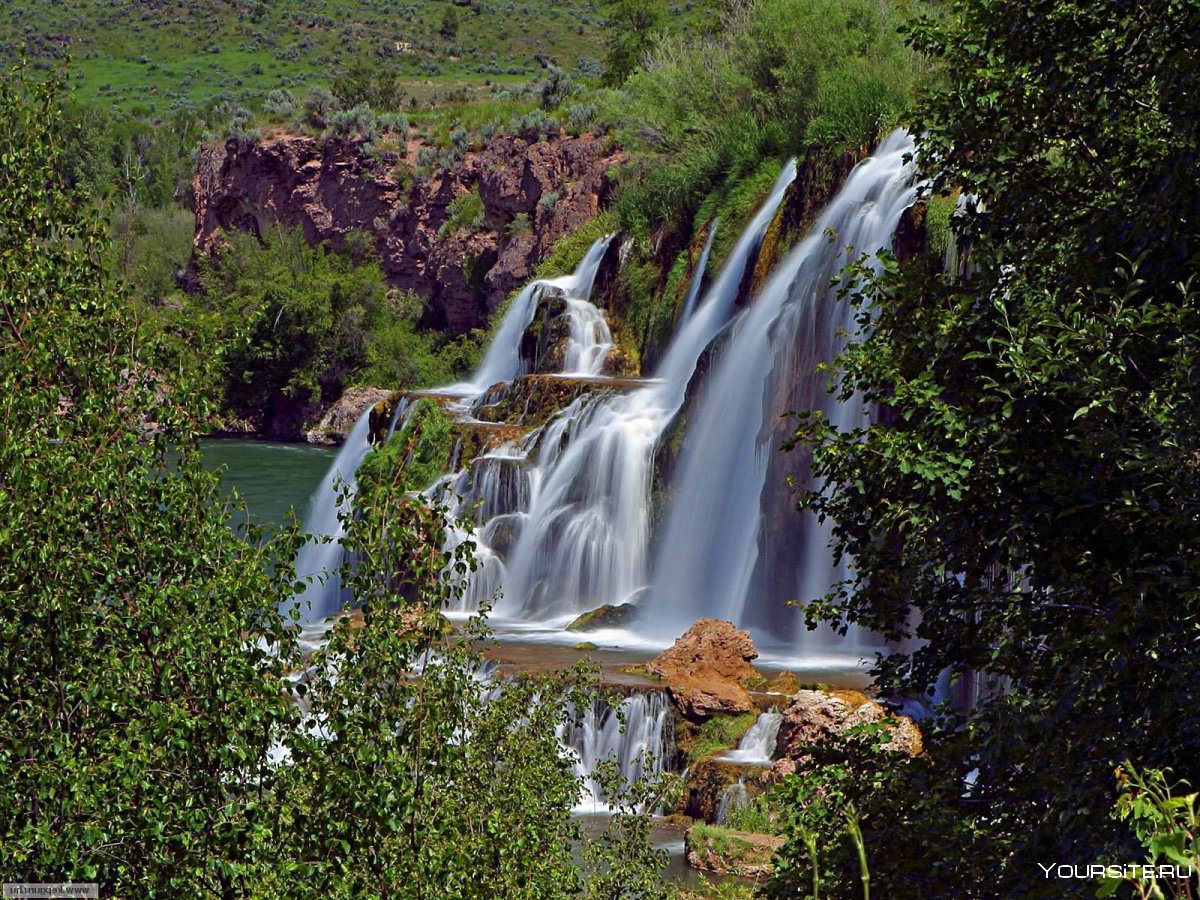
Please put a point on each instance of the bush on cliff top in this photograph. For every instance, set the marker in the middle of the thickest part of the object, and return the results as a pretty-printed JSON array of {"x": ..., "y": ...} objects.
[{"x": 785, "y": 73}]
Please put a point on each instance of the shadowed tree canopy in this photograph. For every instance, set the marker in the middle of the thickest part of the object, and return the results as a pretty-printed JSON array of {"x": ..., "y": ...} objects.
[{"x": 1030, "y": 492}]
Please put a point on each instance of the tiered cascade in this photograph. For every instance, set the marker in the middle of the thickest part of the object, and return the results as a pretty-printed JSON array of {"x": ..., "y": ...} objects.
[{"x": 555, "y": 466}]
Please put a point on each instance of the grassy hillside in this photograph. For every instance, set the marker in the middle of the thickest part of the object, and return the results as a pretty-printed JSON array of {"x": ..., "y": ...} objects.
[{"x": 162, "y": 55}]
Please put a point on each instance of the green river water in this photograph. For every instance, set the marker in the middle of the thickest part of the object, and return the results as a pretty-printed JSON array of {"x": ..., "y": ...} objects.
[{"x": 272, "y": 478}]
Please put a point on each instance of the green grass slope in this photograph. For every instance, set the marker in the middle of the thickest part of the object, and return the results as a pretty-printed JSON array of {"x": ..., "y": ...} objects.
[{"x": 161, "y": 55}]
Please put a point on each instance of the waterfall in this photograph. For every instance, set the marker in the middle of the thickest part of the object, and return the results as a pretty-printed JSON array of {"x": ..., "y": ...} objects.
[
  {"x": 693, "y": 293},
  {"x": 326, "y": 518},
  {"x": 502, "y": 362},
  {"x": 733, "y": 797},
  {"x": 733, "y": 547},
  {"x": 639, "y": 747},
  {"x": 589, "y": 339},
  {"x": 757, "y": 745},
  {"x": 583, "y": 539},
  {"x": 325, "y": 514}
]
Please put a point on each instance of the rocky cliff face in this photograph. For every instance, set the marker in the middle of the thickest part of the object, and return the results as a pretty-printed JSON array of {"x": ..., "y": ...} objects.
[{"x": 532, "y": 194}]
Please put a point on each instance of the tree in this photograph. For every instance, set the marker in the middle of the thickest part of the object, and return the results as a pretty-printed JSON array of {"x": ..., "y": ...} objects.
[
  {"x": 1023, "y": 513},
  {"x": 302, "y": 315},
  {"x": 449, "y": 25},
  {"x": 138, "y": 706},
  {"x": 632, "y": 25}
]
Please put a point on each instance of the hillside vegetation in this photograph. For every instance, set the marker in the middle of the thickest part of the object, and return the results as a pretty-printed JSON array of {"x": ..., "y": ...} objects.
[{"x": 165, "y": 56}]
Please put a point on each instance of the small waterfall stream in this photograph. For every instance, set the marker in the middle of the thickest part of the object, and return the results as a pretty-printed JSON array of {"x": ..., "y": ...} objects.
[
  {"x": 325, "y": 517},
  {"x": 693, "y": 293},
  {"x": 640, "y": 748},
  {"x": 502, "y": 362},
  {"x": 757, "y": 745},
  {"x": 589, "y": 339},
  {"x": 733, "y": 797}
]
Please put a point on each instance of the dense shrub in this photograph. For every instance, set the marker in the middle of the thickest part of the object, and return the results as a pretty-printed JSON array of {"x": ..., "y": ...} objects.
[
  {"x": 280, "y": 103},
  {"x": 356, "y": 122},
  {"x": 784, "y": 74},
  {"x": 309, "y": 322}
]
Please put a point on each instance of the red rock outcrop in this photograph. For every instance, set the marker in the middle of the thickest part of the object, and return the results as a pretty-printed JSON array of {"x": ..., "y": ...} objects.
[
  {"x": 816, "y": 716},
  {"x": 334, "y": 187},
  {"x": 705, "y": 668}
]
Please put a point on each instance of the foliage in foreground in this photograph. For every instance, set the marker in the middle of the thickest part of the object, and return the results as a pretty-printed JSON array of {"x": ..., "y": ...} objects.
[
  {"x": 160, "y": 733},
  {"x": 1167, "y": 823},
  {"x": 1030, "y": 496}
]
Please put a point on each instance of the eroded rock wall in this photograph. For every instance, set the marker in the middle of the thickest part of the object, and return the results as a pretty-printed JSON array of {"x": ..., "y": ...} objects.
[{"x": 532, "y": 194}]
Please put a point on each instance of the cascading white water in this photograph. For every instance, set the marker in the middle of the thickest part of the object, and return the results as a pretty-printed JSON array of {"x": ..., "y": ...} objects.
[
  {"x": 757, "y": 745},
  {"x": 640, "y": 747},
  {"x": 707, "y": 559},
  {"x": 589, "y": 340},
  {"x": 325, "y": 516},
  {"x": 585, "y": 535},
  {"x": 318, "y": 562},
  {"x": 693, "y": 293},
  {"x": 502, "y": 362},
  {"x": 733, "y": 797}
]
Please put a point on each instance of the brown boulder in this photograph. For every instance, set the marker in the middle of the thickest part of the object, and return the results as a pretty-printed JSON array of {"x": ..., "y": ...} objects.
[
  {"x": 700, "y": 698},
  {"x": 705, "y": 668},
  {"x": 817, "y": 716},
  {"x": 711, "y": 647}
]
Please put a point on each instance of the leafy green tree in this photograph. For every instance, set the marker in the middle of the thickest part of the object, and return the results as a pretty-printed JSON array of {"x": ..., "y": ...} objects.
[
  {"x": 1023, "y": 514},
  {"x": 369, "y": 82},
  {"x": 449, "y": 25},
  {"x": 302, "y": 316},
  {"x": 137, "y": 706},
  {"x": 632, "y": 25}
]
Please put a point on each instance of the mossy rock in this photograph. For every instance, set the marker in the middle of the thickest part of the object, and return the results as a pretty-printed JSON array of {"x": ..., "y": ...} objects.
[
  {"x": 606, "y": 616},
  {"x": 707, "y": 782},
  {"x": 718, "y": 734},
  {"x": 641, "y": 670},
  {"x": 476, "y": 438},
  {"x": 584, "y": 646},
  {"x": 530, "y": 401},
  {"x": 382, "y": 414},
  {"x": 783, "y": 683}
]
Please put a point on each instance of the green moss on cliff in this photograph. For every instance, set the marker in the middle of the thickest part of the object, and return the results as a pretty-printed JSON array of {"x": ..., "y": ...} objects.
[
  {"x": 415, "y": 455},
  {"x": 937, "y": 222},
  {"x": 570, "y": 249},
  {"x": 717, "y": 734}
]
